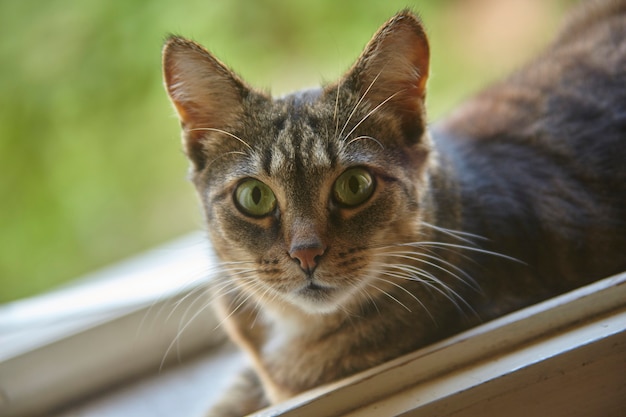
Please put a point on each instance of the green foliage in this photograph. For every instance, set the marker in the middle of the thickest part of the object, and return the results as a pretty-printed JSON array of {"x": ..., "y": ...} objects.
[{"x": 91, "y": 167}]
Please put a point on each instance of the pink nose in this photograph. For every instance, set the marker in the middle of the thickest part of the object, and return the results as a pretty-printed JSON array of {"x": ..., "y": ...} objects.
[{"x": 307, "y": 256}]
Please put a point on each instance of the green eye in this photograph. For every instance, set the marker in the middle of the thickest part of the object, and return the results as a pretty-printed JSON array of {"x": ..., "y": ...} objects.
[
  {"x": 255, "y": 198},
  {"x": 353, "y": 187}
]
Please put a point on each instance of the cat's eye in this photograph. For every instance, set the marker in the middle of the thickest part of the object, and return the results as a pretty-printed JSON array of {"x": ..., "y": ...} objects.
[
  {"x": 254, "y": 198},
  {"x": 355, "y": 186}
]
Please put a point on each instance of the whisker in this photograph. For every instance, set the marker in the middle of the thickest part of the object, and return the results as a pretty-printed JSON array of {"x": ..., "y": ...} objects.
[
  {"x": 469, "y": 281},
  {"x": 457, "y": 234},
  {"x": 196, "y": 276},
  {"x": 266, "y": 291},
  {"x": 456, "y": 246},
  {"x": 230, "y": 287},
  {"x": 357, "y": 106},
  {"x": 179, "y": 302},
  {"x": 411, "y": 295},
  {"x": 372, "y": 112},
  {"x": 469, "y": 278},
  {"x": 179, "y": 334},
  {"x": 412, "y": 274},
  {"x": 336, "y": 112},
  {"x": 224, "y": 155},
  {"x": 362, "y": 290},
  {"x": 212, "y": 129},
  {"x": 390, "y": 296},
  {"x": 366, "y": 137},
  {"x": 234, "y": 311}
]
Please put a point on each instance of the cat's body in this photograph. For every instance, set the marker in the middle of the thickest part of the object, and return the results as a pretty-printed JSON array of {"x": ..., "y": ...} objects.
[
  {"x": 540, "y": 157},
  {"x": 349, "y": 235}
]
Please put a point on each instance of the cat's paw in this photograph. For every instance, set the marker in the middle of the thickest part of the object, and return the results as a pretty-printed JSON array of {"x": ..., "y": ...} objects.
[{"x": 245, "y": 396}]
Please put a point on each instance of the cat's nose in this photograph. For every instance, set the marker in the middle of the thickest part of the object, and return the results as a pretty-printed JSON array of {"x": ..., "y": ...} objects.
[{"x": 307, "y": 256}]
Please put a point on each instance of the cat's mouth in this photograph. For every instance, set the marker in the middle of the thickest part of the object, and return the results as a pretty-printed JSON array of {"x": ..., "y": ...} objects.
[
  {"x": 315, "y": 290},
  {"x": 316, "y": 297},
  {"x": 314, "y": 286}
]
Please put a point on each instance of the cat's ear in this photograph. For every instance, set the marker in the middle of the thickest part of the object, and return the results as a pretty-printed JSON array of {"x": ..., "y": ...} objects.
[
  {"x": 392, "y": 72},
  {"x": 205, "y": 93}
]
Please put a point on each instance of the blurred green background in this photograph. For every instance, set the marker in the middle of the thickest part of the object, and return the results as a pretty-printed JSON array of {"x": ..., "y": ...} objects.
[{"x": 90, "y": 164}]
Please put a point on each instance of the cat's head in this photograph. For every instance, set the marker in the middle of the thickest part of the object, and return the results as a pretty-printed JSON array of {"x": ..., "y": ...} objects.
[{"x": 305, "y": 194}]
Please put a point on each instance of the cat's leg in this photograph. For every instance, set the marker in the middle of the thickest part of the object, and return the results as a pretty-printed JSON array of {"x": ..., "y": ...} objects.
[
  {"x": 240, "y": 319},
  {"x": 247, "y": 329},
  {"x": 245, "y": 396}
]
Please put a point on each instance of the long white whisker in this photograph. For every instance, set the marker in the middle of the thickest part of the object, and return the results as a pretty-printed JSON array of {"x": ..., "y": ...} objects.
[
  {"x": 412, "y": 272},
  {"x": 417, "y": 257},
  {"x": 357, "y": 106},
  {"x": 366, "y": 137},
  {"x": 233, "y": 311},
  {"x": 367, "y": 294},
  {"x": 179, "y": 302},
  {"x": 410, "y": 294},
  {"x": 224, "y": 155},
  {"x": 444, "y": 290},
  {"x": 179, "y": 334},
  {"x": 199, "y": 275},
  {"x": 212, "y": 129},
  {"x": 389, "y": 295},
  {"x": 453, "y": 245},
  {"x": 457, "y": 234},
  {"x": 336, "y": 113},
  {"x": 370, "y": 113}
]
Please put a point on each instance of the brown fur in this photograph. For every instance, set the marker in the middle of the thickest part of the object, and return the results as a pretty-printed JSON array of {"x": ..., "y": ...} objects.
[{"x": 516, "y": 197}]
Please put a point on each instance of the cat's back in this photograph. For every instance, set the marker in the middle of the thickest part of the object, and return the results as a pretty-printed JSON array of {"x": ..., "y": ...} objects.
[
  {"x": 544, "y": 152},
  {"x": 574, "y": 92},
  {"x": 569, "y": 104}
]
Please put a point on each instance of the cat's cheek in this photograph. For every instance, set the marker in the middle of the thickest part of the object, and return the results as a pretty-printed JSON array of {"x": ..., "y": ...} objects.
[
  {"x": 368, "y": 222},
  {"x": 256, "y": 237}
]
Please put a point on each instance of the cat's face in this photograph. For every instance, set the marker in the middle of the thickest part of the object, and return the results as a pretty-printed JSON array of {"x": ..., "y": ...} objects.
[
  {"x": 305, "y": 195},
  {"x": 305, "y": 213}
]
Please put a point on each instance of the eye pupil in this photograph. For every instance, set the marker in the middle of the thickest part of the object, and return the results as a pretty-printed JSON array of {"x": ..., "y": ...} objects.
[
  {"x": 256, "y": 195},
  {"x": 353, "y": 184}
]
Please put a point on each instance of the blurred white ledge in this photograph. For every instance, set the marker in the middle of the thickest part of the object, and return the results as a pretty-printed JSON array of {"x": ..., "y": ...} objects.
[
  {"x": 108, "y": 326},
  {"x": 159, "y": 274}
]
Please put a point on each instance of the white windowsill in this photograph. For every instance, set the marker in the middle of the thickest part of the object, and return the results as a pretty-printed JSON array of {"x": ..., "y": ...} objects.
[{"x": 126, "y": 320}]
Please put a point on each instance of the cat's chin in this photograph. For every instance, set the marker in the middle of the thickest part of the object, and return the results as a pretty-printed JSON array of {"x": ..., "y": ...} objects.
[{"x": 314, "y": 298}]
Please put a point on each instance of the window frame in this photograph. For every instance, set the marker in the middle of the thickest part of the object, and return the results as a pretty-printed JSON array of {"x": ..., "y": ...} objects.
[{"x": 115, "y": 324}]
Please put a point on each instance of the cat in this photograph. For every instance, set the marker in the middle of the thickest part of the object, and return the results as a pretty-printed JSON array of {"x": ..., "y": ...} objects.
[{"x": 350, "y": 232}]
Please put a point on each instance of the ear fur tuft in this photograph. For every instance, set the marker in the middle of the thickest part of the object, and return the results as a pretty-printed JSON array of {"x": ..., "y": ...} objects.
[
  {"x": 393, "y": 69},
  {"x": 205, "y": 93}
]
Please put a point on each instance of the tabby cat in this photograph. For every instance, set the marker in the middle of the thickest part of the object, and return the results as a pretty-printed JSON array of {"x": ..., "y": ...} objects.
[{"x": 350, "y": 232}]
